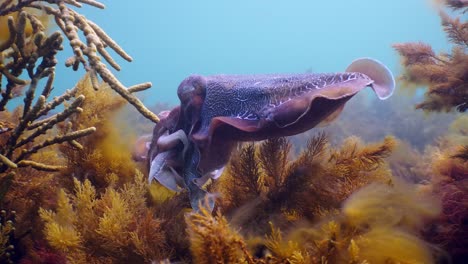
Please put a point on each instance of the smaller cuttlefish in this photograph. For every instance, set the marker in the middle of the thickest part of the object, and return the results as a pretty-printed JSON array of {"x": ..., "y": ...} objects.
[{"x": 193, "y": 142}]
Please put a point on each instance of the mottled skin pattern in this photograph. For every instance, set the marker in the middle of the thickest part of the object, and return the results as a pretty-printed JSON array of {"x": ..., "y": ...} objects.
[
  {"x": 250, "y": 97},
  {"x": 218, "y": 111}
]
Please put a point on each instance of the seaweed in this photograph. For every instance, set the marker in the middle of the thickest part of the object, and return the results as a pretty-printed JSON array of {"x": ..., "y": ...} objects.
[
  {"x": 262, "y": 184},
  {"x": 42, "y": 138},
  {"x": 357, "y": 233},
  {"x": 445, "y": 74},
  {"x": 337, "y": 200},
  {"x": 105, "y": 156},
  {"x": 115, "y": 226},
  {"x": 7, "y": 230},
  {"x": 449, "y": 177},
  {"x": 213, "y": 241}
]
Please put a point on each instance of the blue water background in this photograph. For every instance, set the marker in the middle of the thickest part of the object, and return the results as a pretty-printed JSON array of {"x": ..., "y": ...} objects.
[{"x": 170, "y": 40}]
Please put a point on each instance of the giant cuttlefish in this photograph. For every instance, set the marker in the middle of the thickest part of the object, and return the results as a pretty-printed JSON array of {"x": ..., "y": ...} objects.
[{"x": 193, "y": 141}]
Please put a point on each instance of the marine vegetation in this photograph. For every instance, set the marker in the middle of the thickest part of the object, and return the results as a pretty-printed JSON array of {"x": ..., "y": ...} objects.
[
  {"x": 445, "y": 74},
  {"x": 449, "y": 174},
  {"x": 28, "y": 56},
  {"x": 30, "y": 133},
  {"x": 378, "y": 224},
  {"x": 194, "y": 141},
  {"x": 261, "y": 183},
  {"x": 73, "y": 190}
]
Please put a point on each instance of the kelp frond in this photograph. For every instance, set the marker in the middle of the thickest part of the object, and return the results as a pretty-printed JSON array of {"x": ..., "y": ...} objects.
[
  {"x": 363, "y": 234},
  {"x": 60, "y": 229},
  {"x": 246, "y": 184},
  {"x": 384, "y": 245},
  {"x": 273, "y": 156}
]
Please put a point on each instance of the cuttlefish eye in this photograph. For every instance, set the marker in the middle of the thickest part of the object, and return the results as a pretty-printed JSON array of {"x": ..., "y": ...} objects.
[
  {"x": 192, "y": 86},
  {"x": 186, "y": 89}
]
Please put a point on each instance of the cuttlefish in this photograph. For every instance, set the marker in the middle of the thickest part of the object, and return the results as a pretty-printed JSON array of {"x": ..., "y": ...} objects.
[{"x": 193, "y": 142}]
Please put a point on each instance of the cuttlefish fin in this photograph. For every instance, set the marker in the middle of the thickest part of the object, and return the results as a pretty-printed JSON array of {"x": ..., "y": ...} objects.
[
  {"x": 384, "y": 83},
  {"x": 331, "y": 117}
]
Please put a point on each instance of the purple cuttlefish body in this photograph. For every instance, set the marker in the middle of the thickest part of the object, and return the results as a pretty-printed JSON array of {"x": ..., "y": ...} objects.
[{"x": 194, "y": 141}]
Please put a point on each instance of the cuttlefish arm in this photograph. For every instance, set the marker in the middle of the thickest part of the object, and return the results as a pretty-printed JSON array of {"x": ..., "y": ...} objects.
[{"x": 167, "y": 150}]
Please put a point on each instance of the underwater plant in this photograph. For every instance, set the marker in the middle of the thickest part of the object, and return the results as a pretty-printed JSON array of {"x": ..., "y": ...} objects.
[
  {"x": 39, "y": 137},
  {"x": 263, "y": 184},
  {"x": 445, "y": 74},
  {"x": 194, "y": 141},
  {"x": 448, "y": 166},
  {"x": 212, "y": 240},
  {"x": 7, "y": 231},
  {"x": 105, "y": 156},
  {"x": 117, "y": 226},
  {"x": 379, "y": 223}
]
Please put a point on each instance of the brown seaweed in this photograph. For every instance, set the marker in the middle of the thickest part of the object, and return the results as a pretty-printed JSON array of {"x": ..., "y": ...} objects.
[
  {"x": 445, "y": 74},
  {"x": 264, "y": 184}
]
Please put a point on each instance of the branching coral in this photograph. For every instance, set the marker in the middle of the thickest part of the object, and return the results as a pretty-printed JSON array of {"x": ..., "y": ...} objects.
[
  {"x": 446, "y": 75},
  {"x": 22, "y": 129},
  {"x": 88, "y": 54},
  {"x": 27, "y": 55}
]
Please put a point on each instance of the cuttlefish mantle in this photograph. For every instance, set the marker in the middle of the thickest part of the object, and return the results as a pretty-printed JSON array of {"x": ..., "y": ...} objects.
[{"x": 194, "y": 141}]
